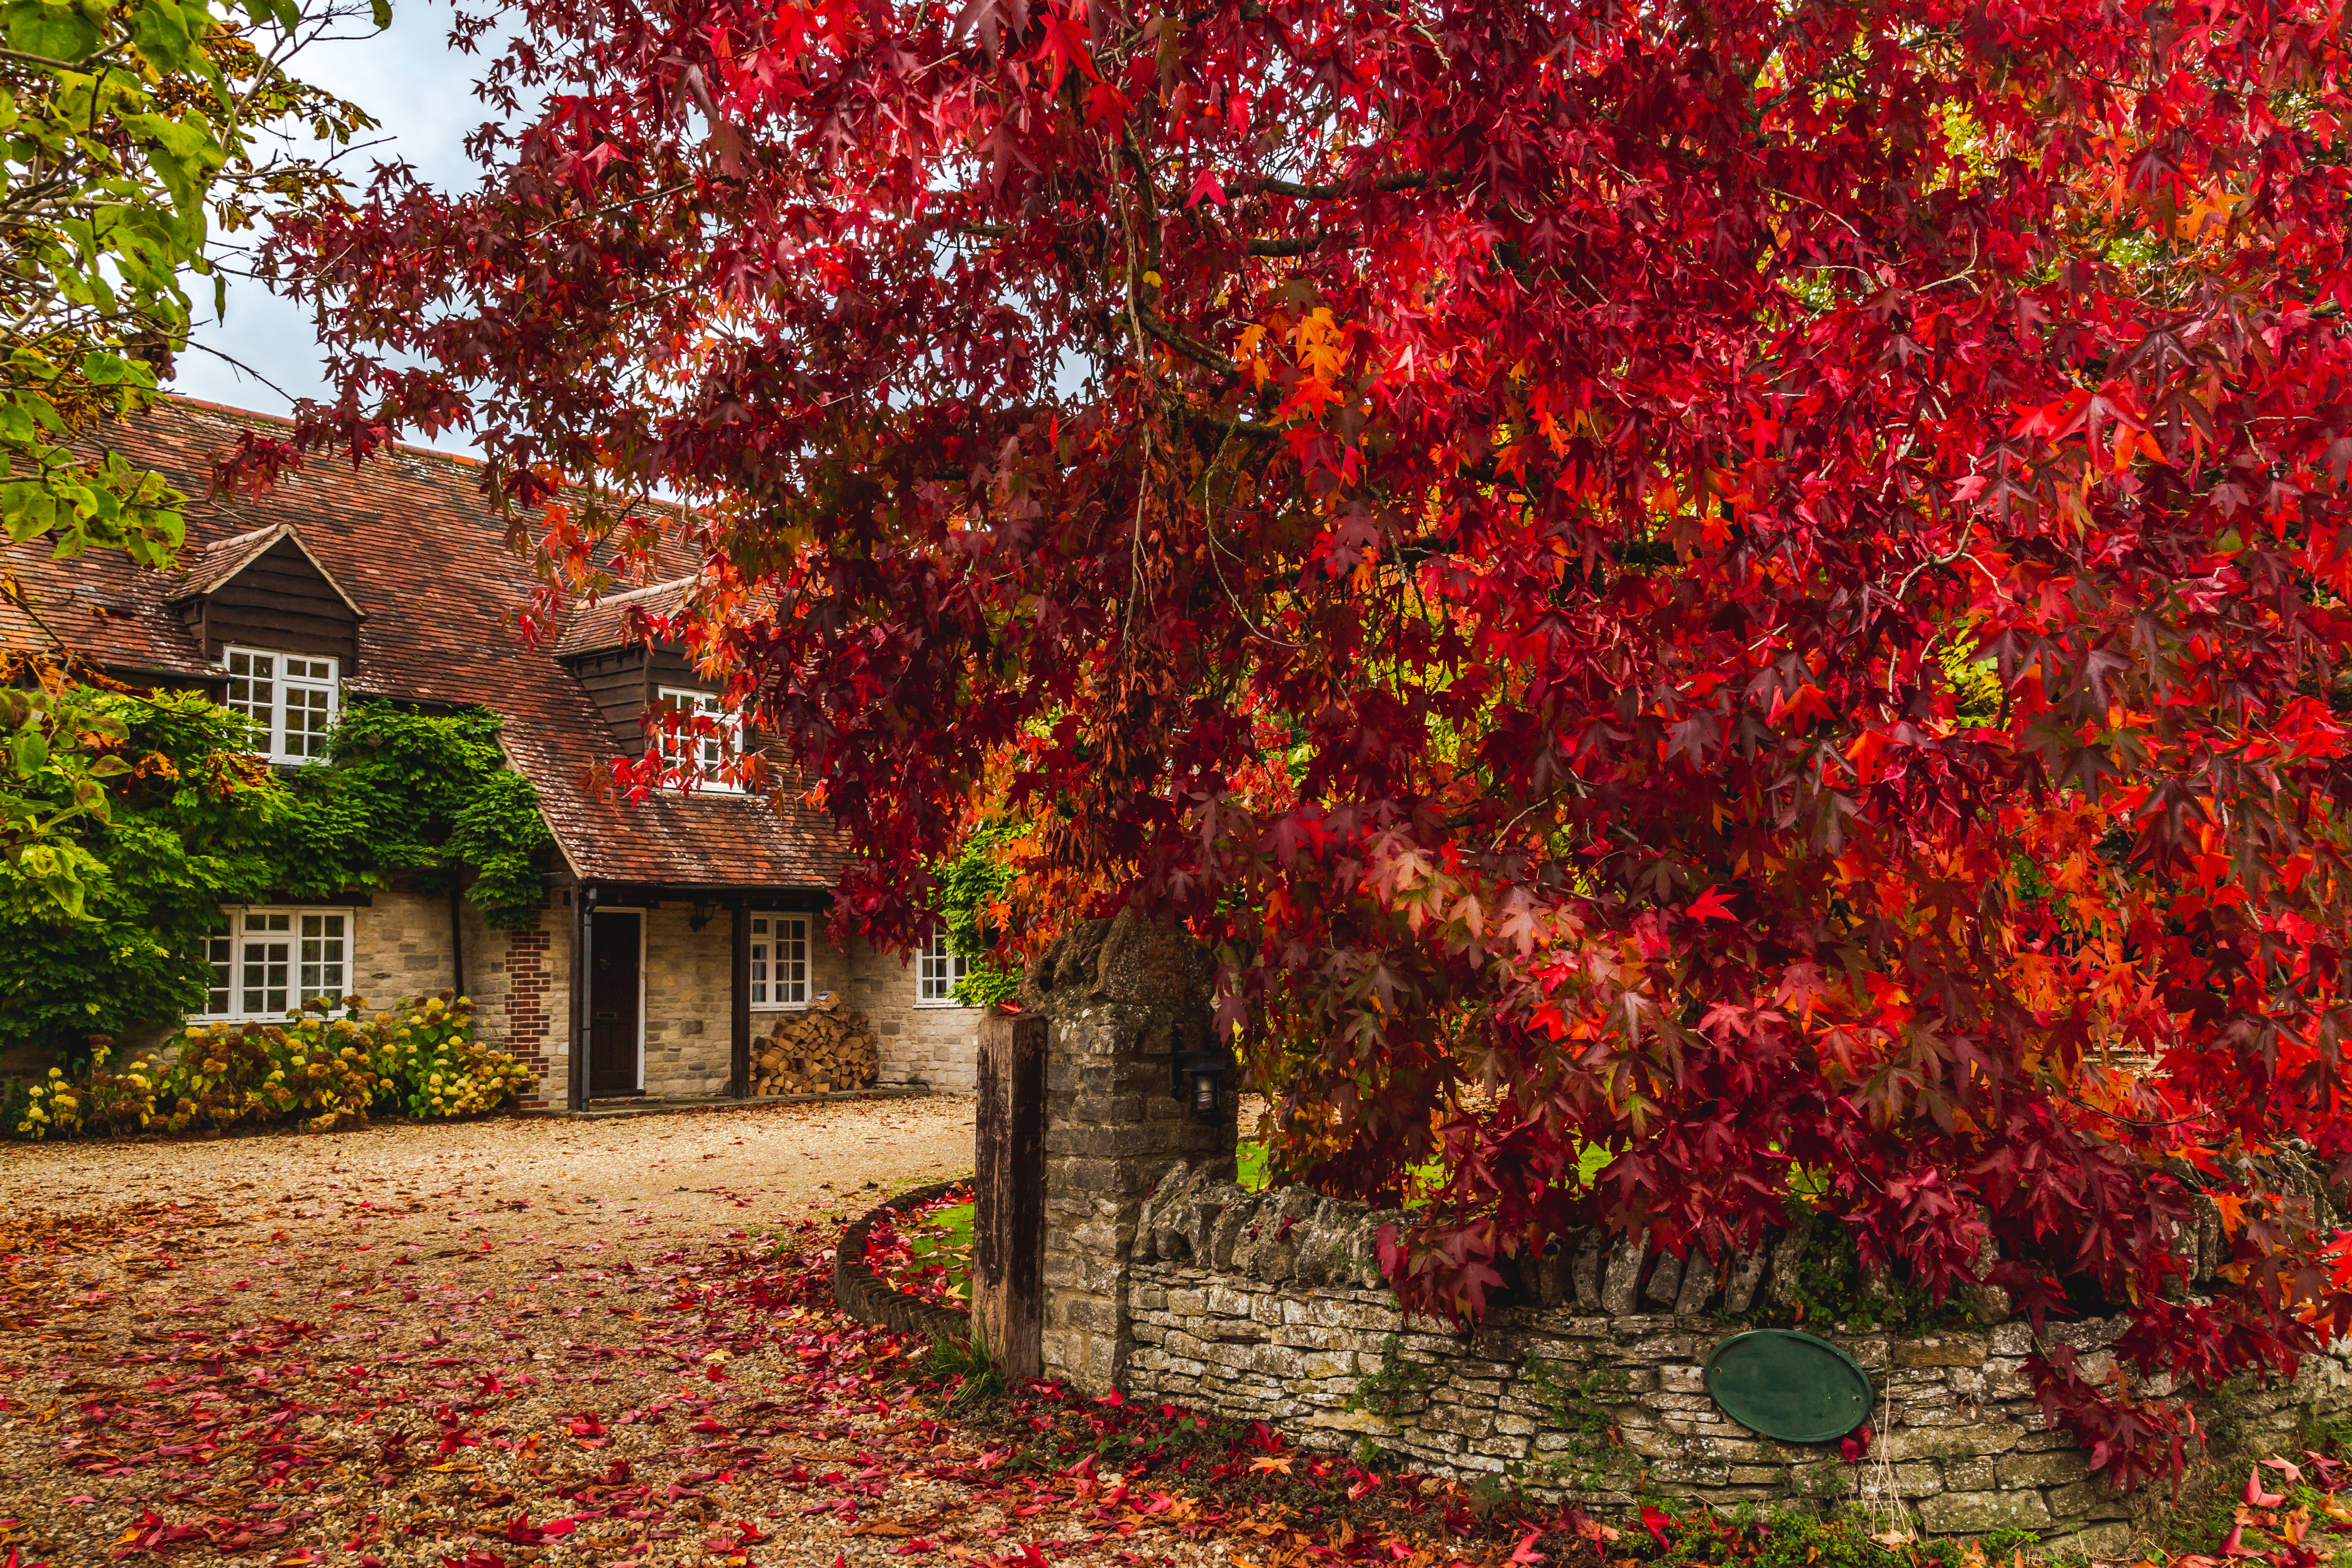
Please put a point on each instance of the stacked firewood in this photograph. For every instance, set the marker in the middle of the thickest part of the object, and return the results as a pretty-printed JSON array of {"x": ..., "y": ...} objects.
[{"x": 829, "y": 1046}]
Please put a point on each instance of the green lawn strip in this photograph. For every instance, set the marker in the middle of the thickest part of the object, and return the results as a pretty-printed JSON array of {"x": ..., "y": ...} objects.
[{"x": 945, "y": 1237}]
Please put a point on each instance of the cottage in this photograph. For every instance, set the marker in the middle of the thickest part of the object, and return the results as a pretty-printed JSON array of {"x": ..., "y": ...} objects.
[{"x": 676, "y": 928}]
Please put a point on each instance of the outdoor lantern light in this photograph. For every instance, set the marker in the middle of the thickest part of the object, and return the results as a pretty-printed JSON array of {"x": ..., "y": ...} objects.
[{"x": 1198, "y": 1077}]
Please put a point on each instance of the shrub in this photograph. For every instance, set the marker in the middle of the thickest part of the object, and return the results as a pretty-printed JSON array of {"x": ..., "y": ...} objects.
[{"x": 330, "y": 1066}]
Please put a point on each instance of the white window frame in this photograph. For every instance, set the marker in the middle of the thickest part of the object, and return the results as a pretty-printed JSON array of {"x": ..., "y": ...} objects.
[
  {"x": 938, "y": 968},
  {"x": 714, "y": 752},
  {"x": 232, "y": 950},
  {"x": 280, "y": 743},
  {"x": 773, "y": 991}
]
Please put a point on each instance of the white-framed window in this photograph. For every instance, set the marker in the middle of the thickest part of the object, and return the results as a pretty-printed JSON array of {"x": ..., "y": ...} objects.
[
  {"x": 780, "y": 961},
  {"x": 707, "y": 754},
  {"x": 293, "y": 698},
  {"x": 267, "y": 963},
  {"x": 937, "y": 970}
]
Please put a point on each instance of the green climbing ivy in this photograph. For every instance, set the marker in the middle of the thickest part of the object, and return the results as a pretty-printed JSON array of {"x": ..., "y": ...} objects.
[
  {"x": 973, "y": 884},
  {"x": 186, "y": 821}
]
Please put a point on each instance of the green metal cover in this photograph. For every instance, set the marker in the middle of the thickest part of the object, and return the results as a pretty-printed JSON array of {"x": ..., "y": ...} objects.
[{"x": 1789, "y": 1385}]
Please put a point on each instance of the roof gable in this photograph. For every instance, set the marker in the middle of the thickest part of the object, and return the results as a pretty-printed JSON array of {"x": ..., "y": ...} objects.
[
  {"x": 606, "y": 623},
  {"x": 222, "y": 562}
]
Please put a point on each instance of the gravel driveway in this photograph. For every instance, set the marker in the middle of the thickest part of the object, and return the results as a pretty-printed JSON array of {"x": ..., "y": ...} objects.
[
  {"x": 630, "y": 1181},
  {"x": 401, "y": 1346}
]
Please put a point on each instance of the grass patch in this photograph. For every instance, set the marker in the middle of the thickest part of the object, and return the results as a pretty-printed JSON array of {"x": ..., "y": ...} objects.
[{"x": 945, "y": 1238}]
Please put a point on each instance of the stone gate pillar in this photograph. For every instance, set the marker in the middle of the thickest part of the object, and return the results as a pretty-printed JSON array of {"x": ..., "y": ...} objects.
[{"x": 1122, "y": 998}]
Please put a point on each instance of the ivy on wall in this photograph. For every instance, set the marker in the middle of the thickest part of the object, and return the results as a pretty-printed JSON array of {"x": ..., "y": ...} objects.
[
  {"x": 973, "y": 885},
  {"x": 191, "y": 822}
]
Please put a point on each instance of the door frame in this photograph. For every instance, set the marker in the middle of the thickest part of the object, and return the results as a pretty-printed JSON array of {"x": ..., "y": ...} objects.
[{"x": 644, "y": 918}]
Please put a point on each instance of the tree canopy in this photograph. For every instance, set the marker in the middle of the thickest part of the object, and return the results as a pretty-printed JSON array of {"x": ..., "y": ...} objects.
[
  {"x": 133, "y": 138},
  {"x": 1756, "y": 587}
]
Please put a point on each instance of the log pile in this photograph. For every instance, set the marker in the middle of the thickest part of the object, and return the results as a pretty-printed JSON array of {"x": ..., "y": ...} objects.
[{"x": 828, "y": 1047}]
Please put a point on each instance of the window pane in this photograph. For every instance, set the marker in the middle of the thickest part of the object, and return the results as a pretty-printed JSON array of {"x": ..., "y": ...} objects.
[
  {"x": 252, "y": 690},
  {"x": 322, "y": 957},
  {"x": 265, "y": 965},
  {"x": 791, "y": 962},
  {"x": 274, "y": 921},
  {"x": 938, "y": 970},
  {"x": 759, "y": 967},
  {"x": 706, "y": 755},
  {"x": 310, "y": 703},
  {"x": 220, "y": 957},
  {"x": 309, "y": 717}
]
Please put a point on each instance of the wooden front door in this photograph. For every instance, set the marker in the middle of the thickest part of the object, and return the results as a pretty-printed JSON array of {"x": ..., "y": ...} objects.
[{"x": 613, "y": 982}]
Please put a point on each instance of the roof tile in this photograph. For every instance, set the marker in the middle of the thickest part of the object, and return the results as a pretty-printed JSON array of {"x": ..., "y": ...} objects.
[{"x": 411, "y": 539}]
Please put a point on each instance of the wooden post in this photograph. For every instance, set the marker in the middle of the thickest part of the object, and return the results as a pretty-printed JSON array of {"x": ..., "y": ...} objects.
[
  {"x": 1008, "y": 1230},
  {"x": 739, "y": 1007}
]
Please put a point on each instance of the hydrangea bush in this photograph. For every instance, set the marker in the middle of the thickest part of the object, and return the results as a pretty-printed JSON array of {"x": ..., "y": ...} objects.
[{"x": 333, "y": 1065}]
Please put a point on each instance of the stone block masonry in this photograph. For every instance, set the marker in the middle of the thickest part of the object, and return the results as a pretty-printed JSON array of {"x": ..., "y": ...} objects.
[
  {"x": 1122, "y": 1000},
  {"x": 1270, "y": 1307},
  {"x": 1163, "y": 1280},
  {"x": 925, "y": 1043},
  {"x": 517, "y": 980}
]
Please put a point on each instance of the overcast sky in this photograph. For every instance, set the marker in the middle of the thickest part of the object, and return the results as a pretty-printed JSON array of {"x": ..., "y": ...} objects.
[{"x": 422, "y": 90}]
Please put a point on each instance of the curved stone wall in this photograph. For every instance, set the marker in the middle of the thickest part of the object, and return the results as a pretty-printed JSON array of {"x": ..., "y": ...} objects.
[
  {"x": 869, "y": 1297},
  {"x": 1271, "y": 1307}
]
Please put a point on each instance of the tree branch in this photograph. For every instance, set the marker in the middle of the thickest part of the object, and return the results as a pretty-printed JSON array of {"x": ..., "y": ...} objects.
[
  {"x": 1307, "y": 246},
  {"x": 1273, "y": 187}
]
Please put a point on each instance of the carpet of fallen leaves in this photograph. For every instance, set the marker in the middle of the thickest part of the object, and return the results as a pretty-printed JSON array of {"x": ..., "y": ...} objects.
[
  {"x": 307, "y": 1406},
  {"x": 337, "y": 1371},
  {"x": 909, "y": 1253},
  {"x": 373, "y": 1382}
]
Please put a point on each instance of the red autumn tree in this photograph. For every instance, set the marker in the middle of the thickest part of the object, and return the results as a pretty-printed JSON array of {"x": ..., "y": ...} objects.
[{"x": 1756, "y": 586}]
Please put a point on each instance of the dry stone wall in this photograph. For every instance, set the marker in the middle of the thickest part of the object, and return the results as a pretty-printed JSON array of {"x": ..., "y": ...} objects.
[{"x": 1271, "y": 1307}]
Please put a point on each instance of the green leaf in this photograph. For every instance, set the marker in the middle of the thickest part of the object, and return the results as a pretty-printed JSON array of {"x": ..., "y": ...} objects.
[
  {"x": 54, "y": 32},
  {"x": 104, "y": 369},
  {"x": 160, "y": 32},
  {"x": 30, "y": 752},
  {"x": 382, "y": 10}
]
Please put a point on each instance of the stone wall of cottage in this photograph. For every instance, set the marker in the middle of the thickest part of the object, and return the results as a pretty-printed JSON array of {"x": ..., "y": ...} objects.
[
  {"x": 922, "y": 1043},
  {"x": 518, "y": 980},
  {"x": 688, "y": 988},
  {"x": 400, "y": 947},
  {"x": 1270, "y": 1307},
  {"x": 688, "y": 978}
]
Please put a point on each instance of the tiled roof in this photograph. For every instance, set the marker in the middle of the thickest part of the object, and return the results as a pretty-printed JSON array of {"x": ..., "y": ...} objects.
[
  {"x": 210, "y": 565},
  {"x": 605, "y": 623},
  {"x": 410, "y": 539}
]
